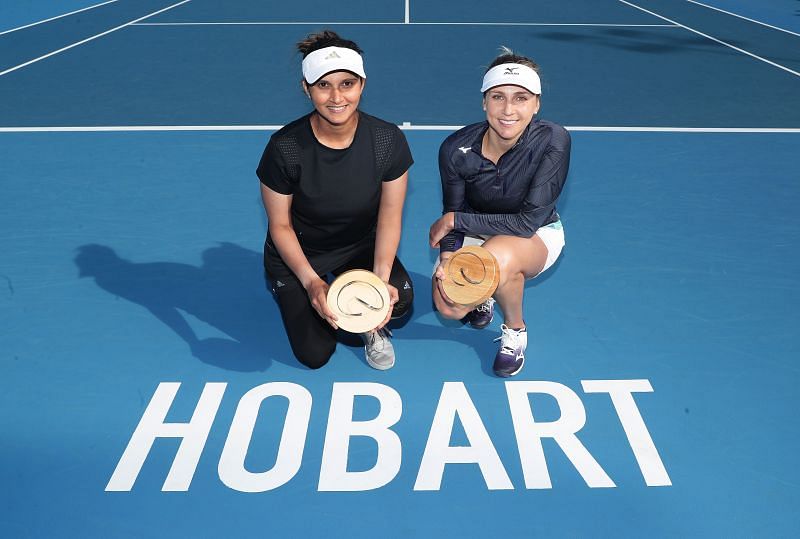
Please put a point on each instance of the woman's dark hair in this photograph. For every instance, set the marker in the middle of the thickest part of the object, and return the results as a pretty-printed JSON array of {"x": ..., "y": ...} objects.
[
  {"x": 325, "y": 38},
  {"x": 507, "y": 56}
]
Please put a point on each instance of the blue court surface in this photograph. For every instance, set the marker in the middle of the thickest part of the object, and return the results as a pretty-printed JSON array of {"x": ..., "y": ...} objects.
[{"x": 148, "y": 389}]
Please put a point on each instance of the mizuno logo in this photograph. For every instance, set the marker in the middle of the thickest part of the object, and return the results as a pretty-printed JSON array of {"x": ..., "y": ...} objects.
[
  {"x": 511, "y": 71},
  {"x": 279, "y": 284},
  {"x": 465, "y": 150},
  {"x": 333, "y": 54}
]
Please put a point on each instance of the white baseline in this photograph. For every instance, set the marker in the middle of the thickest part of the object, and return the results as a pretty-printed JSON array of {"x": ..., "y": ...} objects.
[
  {"x": 89, "y": 39},
  {"x": 385, "y": 23}
]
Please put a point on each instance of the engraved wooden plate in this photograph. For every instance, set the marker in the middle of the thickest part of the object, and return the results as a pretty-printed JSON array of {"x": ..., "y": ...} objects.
[
  {"x": 359, "y": 299},
  {"x": 471, "y": 275}
]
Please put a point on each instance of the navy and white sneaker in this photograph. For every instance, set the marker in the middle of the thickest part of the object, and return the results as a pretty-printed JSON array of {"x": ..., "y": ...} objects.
[
  {"x": 378, "y": 349},
  {"x": 511, "y": 356},
  {"x": 482, "y": 315}
]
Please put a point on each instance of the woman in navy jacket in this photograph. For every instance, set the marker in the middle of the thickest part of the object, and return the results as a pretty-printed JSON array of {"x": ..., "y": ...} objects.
[{"x": 501, "y": 179}]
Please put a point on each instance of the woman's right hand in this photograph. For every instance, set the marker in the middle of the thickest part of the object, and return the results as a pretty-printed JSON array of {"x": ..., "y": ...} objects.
[
  {"x": 440, "y": 228},
  {"x": 439, "y": 275},
  {"x": 317, "y": 291}
]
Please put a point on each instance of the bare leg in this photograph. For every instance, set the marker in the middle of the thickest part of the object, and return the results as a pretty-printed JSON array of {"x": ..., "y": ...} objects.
[{"x": 519, "y": 259}]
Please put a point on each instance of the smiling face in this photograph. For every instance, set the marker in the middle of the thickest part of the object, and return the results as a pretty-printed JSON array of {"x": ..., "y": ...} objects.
[
  {"x": 336, "y": 96},
  {"x": 509, "y": 110}
]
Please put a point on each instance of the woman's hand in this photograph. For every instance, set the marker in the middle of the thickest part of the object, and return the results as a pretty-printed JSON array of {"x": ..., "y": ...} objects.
[
  {"x": 393, "y": 298},
  {"x": 441, "y": 227},
  {"x": 439, "y": 275},
  {"x": 317, "y": 291}
]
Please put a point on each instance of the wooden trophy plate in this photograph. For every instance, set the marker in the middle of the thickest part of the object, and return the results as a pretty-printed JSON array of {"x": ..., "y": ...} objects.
[
  {"x": 471, "y": 275},
  {"x": 359, "y": 299}
]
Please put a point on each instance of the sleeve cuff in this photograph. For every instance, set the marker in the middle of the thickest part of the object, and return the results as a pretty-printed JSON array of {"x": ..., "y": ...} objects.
[{"x": 452, "y": 242}]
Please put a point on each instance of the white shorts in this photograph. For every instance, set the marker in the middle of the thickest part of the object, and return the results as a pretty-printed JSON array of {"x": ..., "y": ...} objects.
[{"x": 552, "y": 236}]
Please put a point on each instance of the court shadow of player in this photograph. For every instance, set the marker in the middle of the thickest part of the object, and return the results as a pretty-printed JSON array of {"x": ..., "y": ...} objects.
[
  {"x": 227, "y": 291},
  {"x": 639, "y": 41}
]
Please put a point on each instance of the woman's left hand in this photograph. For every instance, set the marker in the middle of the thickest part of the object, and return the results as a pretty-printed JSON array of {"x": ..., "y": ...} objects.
[
  {"x": 441, "y": 227},
  {"x": 393, "y": 298}
]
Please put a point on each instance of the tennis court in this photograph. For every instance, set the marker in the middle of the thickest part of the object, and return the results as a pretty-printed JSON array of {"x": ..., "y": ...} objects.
[{"x": 148, "y": 387}]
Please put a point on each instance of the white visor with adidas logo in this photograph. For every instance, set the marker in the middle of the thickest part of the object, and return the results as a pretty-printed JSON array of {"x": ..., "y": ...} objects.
[
  {"x": 324, "y": 61},
  {"x": 516, "y": 74}
]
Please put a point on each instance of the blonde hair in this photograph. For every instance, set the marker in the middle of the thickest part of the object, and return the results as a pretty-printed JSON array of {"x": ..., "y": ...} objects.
[{"x": 508, "y": 56}]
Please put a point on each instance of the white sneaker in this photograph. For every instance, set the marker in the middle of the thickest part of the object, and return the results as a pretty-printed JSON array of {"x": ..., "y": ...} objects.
[
  {"x": 511, "y": 356},
  {"x": 378, "y": 349},
  {"x": 482, "y": 315}
]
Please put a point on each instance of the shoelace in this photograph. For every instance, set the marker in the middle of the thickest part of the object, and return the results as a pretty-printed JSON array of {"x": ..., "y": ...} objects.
[
  {"x": 509, "y": 340},
  {"x": 375, "y": 336},
  {"x": 486, "y": 306}
]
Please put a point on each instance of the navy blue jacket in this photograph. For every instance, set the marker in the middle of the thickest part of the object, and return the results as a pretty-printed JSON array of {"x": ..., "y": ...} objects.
[{"x": 515, "y": 197}]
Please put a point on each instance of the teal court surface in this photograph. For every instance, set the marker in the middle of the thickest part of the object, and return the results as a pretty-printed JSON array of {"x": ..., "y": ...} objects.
[{"x": 148, "y": 389}]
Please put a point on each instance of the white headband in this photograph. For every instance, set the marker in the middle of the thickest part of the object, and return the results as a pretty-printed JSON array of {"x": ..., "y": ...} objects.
[
  {"x": 323, "y": 61},
  {"x": 516, "y": 74}
]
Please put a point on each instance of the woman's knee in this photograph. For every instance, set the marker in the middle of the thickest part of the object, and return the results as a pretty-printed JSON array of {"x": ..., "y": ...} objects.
[
  {"x": 517, "y": 258},
  {"x": 313, "y": 355}
]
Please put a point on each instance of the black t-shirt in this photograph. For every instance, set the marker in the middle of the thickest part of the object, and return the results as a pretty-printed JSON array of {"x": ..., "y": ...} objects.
[{"x": 335, "y": 193}]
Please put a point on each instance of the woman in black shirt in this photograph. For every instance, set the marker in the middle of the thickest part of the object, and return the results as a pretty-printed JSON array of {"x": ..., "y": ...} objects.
[
  {"x": 333, "y": 184},
  {"x": 500, "y": 181}
]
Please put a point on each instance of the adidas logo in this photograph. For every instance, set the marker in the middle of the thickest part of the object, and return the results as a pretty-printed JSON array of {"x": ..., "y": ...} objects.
[
  {"x": 333, "y": 54},
  {"x": 465, "y": 150},
  {"x": 406, "y": 286}
]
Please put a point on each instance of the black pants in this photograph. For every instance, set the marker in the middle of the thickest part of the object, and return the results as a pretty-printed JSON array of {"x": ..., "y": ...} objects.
[{"x": 312, "y": 339}]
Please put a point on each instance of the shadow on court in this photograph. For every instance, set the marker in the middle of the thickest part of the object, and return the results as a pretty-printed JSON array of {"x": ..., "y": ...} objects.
[
  {"x": 640, "y": 41},
  {"x": 227, "y": 292}
]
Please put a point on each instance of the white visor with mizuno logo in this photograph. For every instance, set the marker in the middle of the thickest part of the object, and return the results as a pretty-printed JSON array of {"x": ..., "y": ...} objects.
[{"x": 516, "y": 74}]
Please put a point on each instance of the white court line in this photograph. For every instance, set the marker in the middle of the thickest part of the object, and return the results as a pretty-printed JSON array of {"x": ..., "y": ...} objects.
[
  {"x": 378, "y": 23},
  {"x": 779, "y": 66},
  {"x": 408, "y": 12},
  {"x": 406, "y": 126},
  {"x": 685, "y": 129},
  {"x": 56, "y": 17},
  {"x": 627, "y": 129},
  {"x": 132, "y": 128},
  {"x": 745, "y": 18},
  {"x": 602, "y": 24},
  {"x": 89, "y": 39}
]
